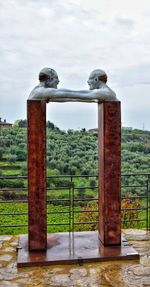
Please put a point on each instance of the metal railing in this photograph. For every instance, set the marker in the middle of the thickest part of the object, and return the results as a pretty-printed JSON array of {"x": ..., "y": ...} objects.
[{"x": 69, "y": 200}]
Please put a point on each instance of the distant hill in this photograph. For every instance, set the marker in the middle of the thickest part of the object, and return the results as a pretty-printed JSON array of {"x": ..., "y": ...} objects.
[{"x": 76, "y": 152}]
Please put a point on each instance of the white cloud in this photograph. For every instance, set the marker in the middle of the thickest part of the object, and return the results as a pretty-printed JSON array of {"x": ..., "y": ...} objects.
[{"x": 74, "y": 37}]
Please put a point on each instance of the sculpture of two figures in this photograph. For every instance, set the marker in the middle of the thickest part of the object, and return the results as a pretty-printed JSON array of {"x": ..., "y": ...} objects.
[{"x": 47, "y": 89}]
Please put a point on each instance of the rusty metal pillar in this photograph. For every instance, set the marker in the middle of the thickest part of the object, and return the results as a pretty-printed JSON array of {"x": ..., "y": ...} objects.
[
  {"x": 36, "y": 117},
  {"x": 109, "y": 172}
]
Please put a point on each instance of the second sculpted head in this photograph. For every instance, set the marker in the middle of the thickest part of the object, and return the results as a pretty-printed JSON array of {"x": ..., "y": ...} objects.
[
  {"x": 96, "y": 78},
  {"x": 48, "y": 78}
]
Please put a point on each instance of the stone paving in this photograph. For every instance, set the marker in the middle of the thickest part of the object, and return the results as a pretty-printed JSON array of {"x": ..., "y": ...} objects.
[{"x": 107, "y": 274}]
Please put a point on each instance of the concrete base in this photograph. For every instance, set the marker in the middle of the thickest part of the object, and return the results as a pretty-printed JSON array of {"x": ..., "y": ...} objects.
[{"x": 79, "y": 247}]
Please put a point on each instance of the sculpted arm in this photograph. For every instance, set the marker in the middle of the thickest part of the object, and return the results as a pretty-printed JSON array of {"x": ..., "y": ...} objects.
[{"x": 65, "y": 95}]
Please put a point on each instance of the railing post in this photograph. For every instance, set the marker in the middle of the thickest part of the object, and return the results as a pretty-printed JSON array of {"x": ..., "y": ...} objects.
[
  {"x": 109, "y": 172},
  {"x": 36, "y": 115},
  {"x": 148, "y": 191}
]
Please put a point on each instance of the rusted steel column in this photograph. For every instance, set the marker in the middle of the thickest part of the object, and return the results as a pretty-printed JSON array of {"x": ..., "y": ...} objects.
[
  {"x": 36, "y": 116},
  {"x": 109, "y": 170}
]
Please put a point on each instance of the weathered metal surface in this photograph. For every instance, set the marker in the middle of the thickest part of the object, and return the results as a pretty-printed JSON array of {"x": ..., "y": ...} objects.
[
  {"x": 86, "y": 248},
  {"x": 36, "y": 114},
  {"x": 109, "y": 170}
]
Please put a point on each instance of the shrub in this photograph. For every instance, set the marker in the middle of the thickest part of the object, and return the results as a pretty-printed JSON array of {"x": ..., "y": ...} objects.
[
  {"x": 129, "y": 203},
  {"x": 12, "y": 158},
  {"x": 89, "y": 216},
  {"x": 92, "y": 216},
  {"x": 81, "y": 190},
  {"x": 8, "y": 195},
  {"x": 92, "y": 183},
  {"x": 1, "y": 152},
  {"x": 23, "y": 170}
]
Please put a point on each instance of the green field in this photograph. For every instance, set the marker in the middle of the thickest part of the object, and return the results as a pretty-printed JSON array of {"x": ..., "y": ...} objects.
[
  {"x": 56, "y": 218},
  {"x": 16, "y": 219}
]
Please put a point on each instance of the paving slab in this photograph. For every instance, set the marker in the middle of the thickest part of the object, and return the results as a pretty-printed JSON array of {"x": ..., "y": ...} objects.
[{"x": 130, "y": 273}]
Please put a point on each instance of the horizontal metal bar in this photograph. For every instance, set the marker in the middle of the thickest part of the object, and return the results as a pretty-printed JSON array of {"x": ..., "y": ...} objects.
[
  {"x": 135, "y": 174},
  {"x": 80, "y": 211},
  {"x": 138, "y": 208},
  {"x": 71, "y": 176},
  {"x": 66, "y": 187},
  {"x": 59, "y": 188},
  {"x": 87, "y": 199},
  {"x": 25, "y": 200},
  {"x": 58, "y": 212},
  {"x": 13, "y": 201},
  {"x": 21, "y": 213},
  {"x": 134, "y": 197},
  {"x": 57, "y": 224},
  {"x": 14, "y": 189},
  {"x": 91, "y": 222},
  {"x": 13, "y": 177},
  {"x": 55, "y": 200},
  {"x": 26, "y": 213},
  {"x": 134, "y": 220},
  {"x": 9, "y": 226},
  {"x": 85, "y": 187},
  {"x": 135, "y": 186}
]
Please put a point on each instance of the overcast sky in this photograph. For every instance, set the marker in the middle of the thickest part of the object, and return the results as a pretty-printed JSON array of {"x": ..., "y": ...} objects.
[{"x": 74, "y": 37}]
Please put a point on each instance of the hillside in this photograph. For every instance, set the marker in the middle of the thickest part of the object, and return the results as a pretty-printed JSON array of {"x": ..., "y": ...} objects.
[
  {"x": 75, "y": 152},
  {"x": 72, "y": 152}
]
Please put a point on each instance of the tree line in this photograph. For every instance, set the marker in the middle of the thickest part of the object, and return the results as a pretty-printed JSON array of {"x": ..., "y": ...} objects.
[{"x": 75, "y": 152}]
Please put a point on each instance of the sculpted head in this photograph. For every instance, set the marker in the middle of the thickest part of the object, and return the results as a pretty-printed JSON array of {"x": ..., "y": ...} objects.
[
  {"x": 49, "y": 78},
  {"x": 96, "y": 78}
]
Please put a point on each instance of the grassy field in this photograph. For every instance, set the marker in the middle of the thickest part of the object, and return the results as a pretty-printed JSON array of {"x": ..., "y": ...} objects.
[
  {"x": 56, "y": 218},
  {"x": 22, "y": 219}
]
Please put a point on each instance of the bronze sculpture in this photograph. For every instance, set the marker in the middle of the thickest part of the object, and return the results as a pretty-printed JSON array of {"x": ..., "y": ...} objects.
[{"x": 47, "y": 89}]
